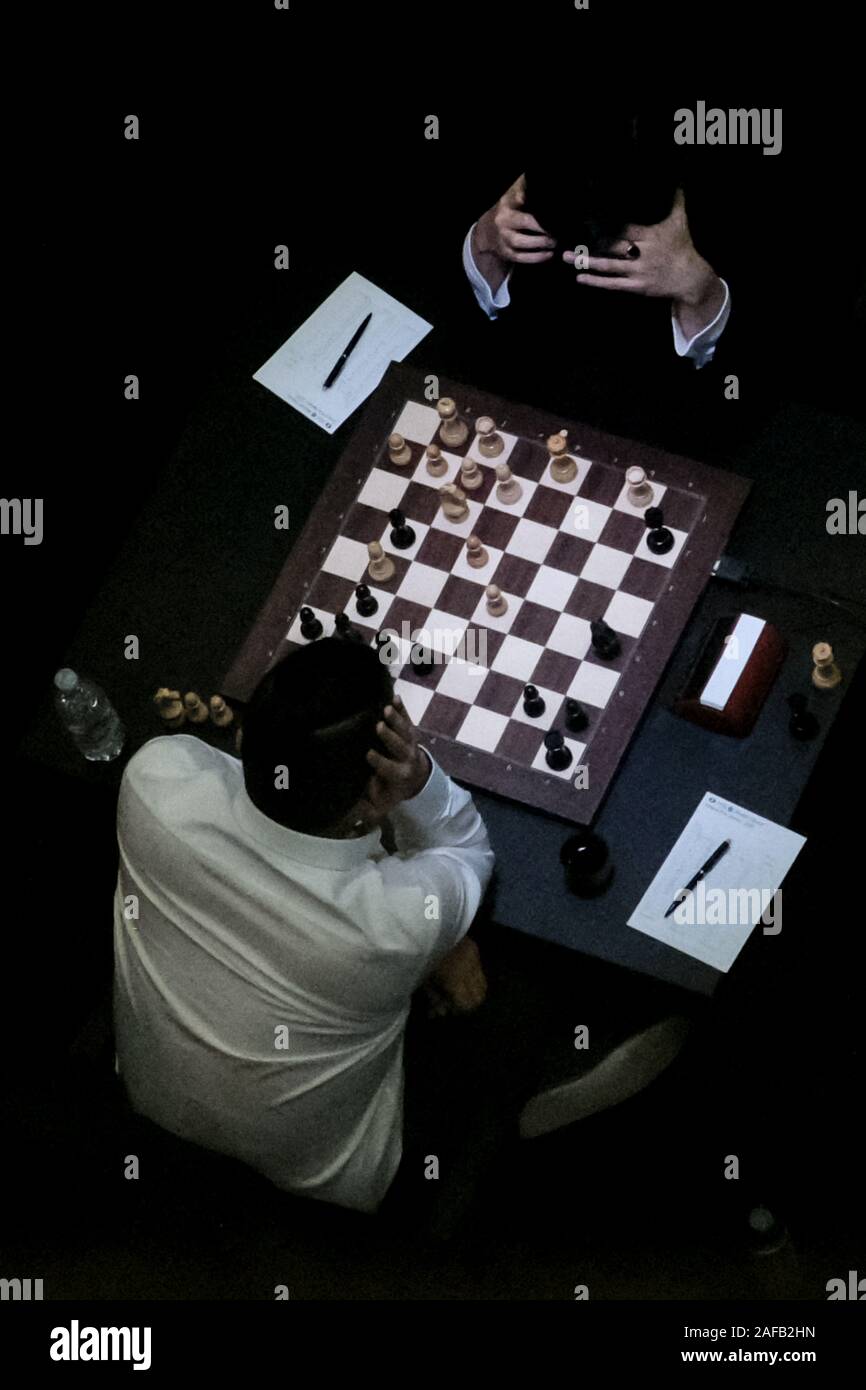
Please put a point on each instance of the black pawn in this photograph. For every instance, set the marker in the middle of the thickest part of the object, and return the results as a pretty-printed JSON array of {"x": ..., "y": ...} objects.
[
  {"x": 604, "y": 640},
  {"x": 803, "y": 724},
  {"x": 588, "y": 870},
  {"x": 402, "y": 535},
  {"x": 421, "y": 660},
  {"x": 659, "y": 539},
  {"x": 575, "y": 716},
  {"x": 557, "y": 756},
  {"x": 533, "y": 705},
  {"x": 311, "y": 628},
  {"x": 343, "y": 628},
  {"x": 365, "y": 603}
]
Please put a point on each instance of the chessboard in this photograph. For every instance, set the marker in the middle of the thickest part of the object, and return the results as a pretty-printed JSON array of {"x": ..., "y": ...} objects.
[{"x": 574, "y": 589}]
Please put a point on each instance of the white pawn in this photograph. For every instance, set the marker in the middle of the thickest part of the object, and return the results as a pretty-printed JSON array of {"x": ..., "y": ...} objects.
[
  {"x": 826, "y": 674},
  {"x": 436, "y": 464},
  {"x": 508, "y": 489},
  {"x": 454, "y": 503},
  {"x": 640, "y": 490},
  {"x": 471, "y": 476},
  {"x": 453, "y": 431},
  {"x": 490, "y": 444},
  {"x": 381, "y": 566},
  {"x": 398, "y": 450},
  {"x": 562, "y": 466},
  {"x": 476, "y": 555},
  {"x": 496, "y": 601}
]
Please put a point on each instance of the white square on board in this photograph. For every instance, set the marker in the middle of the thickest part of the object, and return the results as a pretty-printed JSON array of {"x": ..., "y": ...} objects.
[
  {"x": 416, "y": 698},
  {"x": 462, "y": 680},
  {"x": 627, "y": 613},
  {"x": 644, "y": 553},
  {"x": 570, "y": 635},
  {"x": 508, "y": 441},
  {"x": 417, "y": 422},
  {"x": 585, "y": 519},
  {"x": 347, "y": 558},
  {"x": 376, "y": 619},
  {"x": 531, "y": 540},
  {"x": 577, "y": 751},
  {"x": 606, "y": 566},
  {"x": 459, "y": 528},
  {"x": 411, "y": 551},
  {"x": 325, "y": 618},
  {"x": 442, "y": 631},
  {"x": 503, "y": 623},
  {"x": 482, "y": 728},
  {"x": 551, "y": 588},
  {"x": 422, "y": 476},
  {"x": 622, "y": 503},
  {"x": 422, "y": 583},
  {"x": 514, "y": 508},
  {"x": 518, "y": 658},
  {"x": 553, "y": 702},
  {"x": 594, "y": 684},
  {"x": 383, "y": 490}
]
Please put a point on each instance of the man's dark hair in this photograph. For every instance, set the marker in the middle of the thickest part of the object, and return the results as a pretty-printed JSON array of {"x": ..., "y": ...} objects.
[
  {"x": 621, "y": 167},
  {"x": 314, "y": 714}
]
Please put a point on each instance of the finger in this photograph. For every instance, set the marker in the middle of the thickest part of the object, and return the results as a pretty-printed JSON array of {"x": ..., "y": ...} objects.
[
  {"x": 399, "y": 726},
  {"x": 519, "y": 241},
  {"x": 530, "y": 258},
  {"x": 611, "y": 282},
  {"x": 620, "y": 248},
  {"x": 523, "y": 222},
  {"x": 605, "y": 265},
  {"x": 392, "y": 772}
]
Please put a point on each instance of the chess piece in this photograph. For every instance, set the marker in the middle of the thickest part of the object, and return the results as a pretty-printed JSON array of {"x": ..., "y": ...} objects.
[
  {"x": 557, "y": 755},
  {"x": 453, "y": 431},
  {"x": 453, "y": 500},
  {"x": 220, "y": 713},
  {"x": 497, "y": 603},
  {"x": 196, "y": 709},
  {"x": 381, "y": 567},
  {"x": 239, "y": 738},
  {"x": 563, "y": 468},
  {"x": 659, "y": 539},
  {"x": 398, "y": 450},
  {"x": 604, "y": 640},
  {"x": 826, "y": 674},
  {"x": 533, "y": 705},
  {"x": 402, "y": 535},
  {"x": 640, "y": 489},
  {"x": 343, "y": 628},
  {"x": 436, "y": 464},
  {"x": 365, "y": 603},
  {"x": 585, "y": 858},
  {"x": 508, "y": 489},
  {"x": 170, "y": 706},
  {"x": 311, "y": 627},
  {"x": 471, "y": 476},
  {"x": 803, "y": 724},
  {"x": 476, "y": 555},
  {"x": 422, "y": 660},
  {"x": 490, "y": 444},
  {"x": 575, "y": 716}
]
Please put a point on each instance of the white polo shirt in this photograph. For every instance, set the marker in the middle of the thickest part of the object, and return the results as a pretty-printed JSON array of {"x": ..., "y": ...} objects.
[{"x": 250, "y": 936}]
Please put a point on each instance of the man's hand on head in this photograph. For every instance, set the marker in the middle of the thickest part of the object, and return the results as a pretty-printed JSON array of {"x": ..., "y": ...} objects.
[
  {"x": 402, "y": 773},
  {"x": 660, "y": 262},
  {"x": 506, "y": 235}
]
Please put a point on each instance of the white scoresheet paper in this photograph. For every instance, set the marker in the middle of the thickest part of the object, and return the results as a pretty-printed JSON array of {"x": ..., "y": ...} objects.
[
  {"x": 716, "y": 921},
  {"x": 296, "y": 372}
]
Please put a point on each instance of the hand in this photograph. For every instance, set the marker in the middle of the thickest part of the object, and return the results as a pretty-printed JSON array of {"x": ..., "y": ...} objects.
[
  {"x": 399, "y": 776},
  {"x": 458, "y": 985},
  {"x": 668, "y": 267},
  {"x": 506, "y": 232}
]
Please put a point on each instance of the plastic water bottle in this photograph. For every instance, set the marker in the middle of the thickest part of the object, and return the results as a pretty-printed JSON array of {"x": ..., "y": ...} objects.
[{"x": 89, "y": 715}]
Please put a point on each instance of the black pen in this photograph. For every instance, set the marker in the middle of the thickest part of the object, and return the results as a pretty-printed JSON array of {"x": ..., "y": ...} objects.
[
  {"x": 344, "y": 356},
  {"x": 701, "y": 873}
]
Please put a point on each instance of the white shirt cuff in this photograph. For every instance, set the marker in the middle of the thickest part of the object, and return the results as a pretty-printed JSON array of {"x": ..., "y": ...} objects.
[
  {"x": 701, "y": 347},
  {"x": 489, "y": 301}
]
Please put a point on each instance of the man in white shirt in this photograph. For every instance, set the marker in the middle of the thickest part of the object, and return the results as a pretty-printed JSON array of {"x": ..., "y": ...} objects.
[{"x": 267, "y": 946}]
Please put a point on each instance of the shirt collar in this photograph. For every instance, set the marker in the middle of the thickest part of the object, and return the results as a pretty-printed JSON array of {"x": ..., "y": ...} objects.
[{"x": 307, "y": 849}]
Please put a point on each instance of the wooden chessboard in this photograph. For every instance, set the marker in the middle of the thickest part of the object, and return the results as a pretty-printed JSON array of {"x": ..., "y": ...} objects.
[{"x": 563, "y": 555}]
